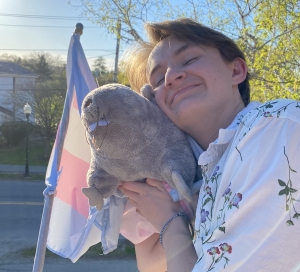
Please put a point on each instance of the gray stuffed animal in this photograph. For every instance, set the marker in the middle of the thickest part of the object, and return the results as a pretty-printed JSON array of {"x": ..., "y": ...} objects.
[{"x": 132, "y": 139}]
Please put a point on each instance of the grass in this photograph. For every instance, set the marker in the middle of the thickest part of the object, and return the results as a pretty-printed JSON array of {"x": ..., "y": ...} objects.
[
  {"x": 19, "y": 176},
  {"x": 123, "y": 251},
  {"x": 17, "y": 155}
]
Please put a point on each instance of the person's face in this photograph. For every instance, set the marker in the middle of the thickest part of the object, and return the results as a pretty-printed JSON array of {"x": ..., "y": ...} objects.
[{"x": 190, "y": 81}]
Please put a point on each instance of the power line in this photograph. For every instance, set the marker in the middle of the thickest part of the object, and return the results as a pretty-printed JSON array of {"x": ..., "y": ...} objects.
[
  {"x": 32, "y": 16},
  {"x": 47, "y": 26},
  {"x": 9, "y": 49}
]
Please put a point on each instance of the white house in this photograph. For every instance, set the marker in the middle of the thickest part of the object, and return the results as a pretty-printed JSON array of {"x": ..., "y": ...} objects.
[{"x": 15, "y": 85}]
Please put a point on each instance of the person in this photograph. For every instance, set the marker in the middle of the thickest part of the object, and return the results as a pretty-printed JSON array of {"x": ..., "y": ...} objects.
[{"x": 248, "y": 210}]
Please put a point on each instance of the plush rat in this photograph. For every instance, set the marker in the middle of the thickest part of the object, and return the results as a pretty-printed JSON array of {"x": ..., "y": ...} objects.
[{"x": 132, "y": 139}]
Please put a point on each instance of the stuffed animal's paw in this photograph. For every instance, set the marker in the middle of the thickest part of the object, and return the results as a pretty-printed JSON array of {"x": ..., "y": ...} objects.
[
  {"x": 94, "y": 196},
  {"x": 181, "y": 186},
  {"x": 147, "y": 91}
]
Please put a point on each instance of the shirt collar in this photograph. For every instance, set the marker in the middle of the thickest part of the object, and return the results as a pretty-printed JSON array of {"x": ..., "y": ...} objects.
[
  {"x": 225, "y": 135},
  {"x": 237, "y": 120}
]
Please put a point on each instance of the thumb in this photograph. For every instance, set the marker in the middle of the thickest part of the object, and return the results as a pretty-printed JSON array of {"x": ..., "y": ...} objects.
[{"x": 155, "y": 183}]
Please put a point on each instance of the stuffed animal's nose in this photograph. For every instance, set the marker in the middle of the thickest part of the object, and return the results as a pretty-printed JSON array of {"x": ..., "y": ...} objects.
[{"x": 88, "y": 102}]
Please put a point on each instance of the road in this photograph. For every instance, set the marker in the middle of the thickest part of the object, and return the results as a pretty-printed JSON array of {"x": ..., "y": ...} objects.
[{"x": 21, "y": 205}]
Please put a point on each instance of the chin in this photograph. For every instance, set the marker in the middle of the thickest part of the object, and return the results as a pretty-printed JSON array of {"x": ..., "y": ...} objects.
[{"x": 186, "y": 113}]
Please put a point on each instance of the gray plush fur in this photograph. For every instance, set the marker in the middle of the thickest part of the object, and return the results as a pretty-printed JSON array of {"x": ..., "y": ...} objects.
[{"x": 133, "y": 140}]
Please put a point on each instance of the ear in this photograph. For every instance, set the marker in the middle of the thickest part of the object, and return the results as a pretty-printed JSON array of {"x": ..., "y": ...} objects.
[
  {"x": 148, "y": 93},
  {"x": 239, "y": 71}
]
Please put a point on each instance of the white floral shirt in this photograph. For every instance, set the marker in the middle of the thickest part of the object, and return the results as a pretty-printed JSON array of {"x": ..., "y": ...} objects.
[{"x": 248, "y": 213}]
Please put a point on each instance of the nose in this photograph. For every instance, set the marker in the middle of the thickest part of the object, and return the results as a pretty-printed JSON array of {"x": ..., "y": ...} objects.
[{"x": 173, "y": 77}]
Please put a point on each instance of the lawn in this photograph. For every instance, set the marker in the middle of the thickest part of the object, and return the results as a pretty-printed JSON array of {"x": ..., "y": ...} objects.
[
  {"x": 20, "y": 176},
  {"x": 124, "y": 250},
  {"x": 17, "y": 155}
]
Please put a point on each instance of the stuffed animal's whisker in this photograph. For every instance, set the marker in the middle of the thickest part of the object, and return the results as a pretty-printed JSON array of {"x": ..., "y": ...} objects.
[
  {"x": 106, "y": 128},
  {"x": 86, "y": 138}
]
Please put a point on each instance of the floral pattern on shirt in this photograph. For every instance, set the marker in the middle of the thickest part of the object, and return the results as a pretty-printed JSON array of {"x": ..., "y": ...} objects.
[
  {"x": 217, "y": 250},
  {"x": 225, "y": 248},
  {"x": 288, "y": 191},
  {"x": 205, "y": 232},
  {"x": 268, "y": 110}
]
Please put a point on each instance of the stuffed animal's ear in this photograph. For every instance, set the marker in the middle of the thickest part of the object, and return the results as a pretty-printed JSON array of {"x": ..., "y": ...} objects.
[{"x": 148, "y": 93}]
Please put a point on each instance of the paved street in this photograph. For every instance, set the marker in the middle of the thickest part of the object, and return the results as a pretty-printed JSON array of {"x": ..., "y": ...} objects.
[{"x": 21, "y": 205}]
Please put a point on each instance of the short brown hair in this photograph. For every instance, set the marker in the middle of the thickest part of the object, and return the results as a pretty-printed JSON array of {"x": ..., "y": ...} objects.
[{"x": 184, "y": 30}]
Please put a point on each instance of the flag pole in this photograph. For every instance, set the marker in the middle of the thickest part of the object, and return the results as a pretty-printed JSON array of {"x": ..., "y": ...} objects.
[{"x": 39, "y": 258}]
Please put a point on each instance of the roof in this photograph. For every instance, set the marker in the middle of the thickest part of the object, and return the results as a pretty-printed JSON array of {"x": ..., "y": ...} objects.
[{"x": 11, "y": 68}]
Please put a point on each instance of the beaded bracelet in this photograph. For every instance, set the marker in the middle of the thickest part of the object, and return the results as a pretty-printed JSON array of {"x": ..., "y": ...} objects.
[{"x": 168, "y": 222}]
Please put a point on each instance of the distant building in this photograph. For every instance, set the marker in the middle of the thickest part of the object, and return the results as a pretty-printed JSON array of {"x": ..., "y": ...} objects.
[{"x": 16, "y": 83}]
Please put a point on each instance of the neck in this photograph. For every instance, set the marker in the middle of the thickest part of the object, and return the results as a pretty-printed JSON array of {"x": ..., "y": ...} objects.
[{"x": 208, "y": 131}]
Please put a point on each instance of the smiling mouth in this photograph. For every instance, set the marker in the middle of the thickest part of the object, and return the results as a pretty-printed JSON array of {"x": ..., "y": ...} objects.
[{"x": 183, "y": 91}]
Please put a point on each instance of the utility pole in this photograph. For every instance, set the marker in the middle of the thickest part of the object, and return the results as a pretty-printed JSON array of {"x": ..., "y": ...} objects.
[
  {"x": 14, "y": 98},
  {"x": 117, "y": 51}
]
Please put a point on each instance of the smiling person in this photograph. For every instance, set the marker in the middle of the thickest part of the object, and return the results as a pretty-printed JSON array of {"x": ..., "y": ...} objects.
[{"x": 248, "y": 210}]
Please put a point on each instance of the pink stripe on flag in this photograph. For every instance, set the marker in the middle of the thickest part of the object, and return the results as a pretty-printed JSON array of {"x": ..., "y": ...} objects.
[
  {"x": 73, "y": 176},
  {"x": 74, "y": 102}
]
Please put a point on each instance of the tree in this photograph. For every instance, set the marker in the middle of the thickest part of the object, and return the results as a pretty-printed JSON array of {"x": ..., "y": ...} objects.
[
  {"x": 99, "y": 67},
  {"x": 12, "y": 58},
  {"x": 48, "y": 105},
  {"x": 39, "y": 66},
  {"x": 46, "y": 96},
  {"x": 131, "y": 14},
  {"x": 266, "y": 30}
]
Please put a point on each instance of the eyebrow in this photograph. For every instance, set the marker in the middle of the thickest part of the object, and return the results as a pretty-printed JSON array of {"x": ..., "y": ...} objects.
[{"x": 176, "y": 53}]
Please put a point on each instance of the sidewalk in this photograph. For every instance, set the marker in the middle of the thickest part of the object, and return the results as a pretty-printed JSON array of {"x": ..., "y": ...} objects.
[{"x": 8, "y": 168}]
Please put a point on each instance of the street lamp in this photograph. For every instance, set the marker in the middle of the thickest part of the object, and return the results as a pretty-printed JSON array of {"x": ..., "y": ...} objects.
[{"x": 27, "y": 111}]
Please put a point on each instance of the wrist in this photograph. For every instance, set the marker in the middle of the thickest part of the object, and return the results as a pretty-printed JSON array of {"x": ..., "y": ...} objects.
[{"x": 178, "y": 224}]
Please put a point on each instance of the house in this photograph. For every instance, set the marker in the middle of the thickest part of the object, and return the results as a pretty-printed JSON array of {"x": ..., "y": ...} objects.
[{"x": 16, "y": 83}]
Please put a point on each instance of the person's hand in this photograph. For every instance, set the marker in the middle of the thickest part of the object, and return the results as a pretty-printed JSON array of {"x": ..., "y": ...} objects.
[{"x": 151, "y": 200}]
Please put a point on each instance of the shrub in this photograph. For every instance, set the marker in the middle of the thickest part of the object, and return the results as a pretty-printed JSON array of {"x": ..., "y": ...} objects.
[{"x": 14, "y": 131}]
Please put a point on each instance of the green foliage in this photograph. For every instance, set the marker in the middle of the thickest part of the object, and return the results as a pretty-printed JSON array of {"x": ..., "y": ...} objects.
[
  {"x": 105, "y": 78},
  {"x": 16, "y": 154},
  {"x": 94, "y": 251},
  {"x": 49, "y": 102},
  {"x": 101, "y": 72},
  {"x": 39, "y": 66},
  {"x": 14, "y": 131},
  {"x": 99, "y": 67},
  {"x": 130, "y": 14},
  {"x": 46, "y": 96},
  {"x": 20, "y": 176},
  {"x": 267, "y": 31}
]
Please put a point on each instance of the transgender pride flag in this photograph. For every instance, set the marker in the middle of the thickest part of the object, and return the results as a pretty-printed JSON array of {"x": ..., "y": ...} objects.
[{"x": 70, "y": 232}]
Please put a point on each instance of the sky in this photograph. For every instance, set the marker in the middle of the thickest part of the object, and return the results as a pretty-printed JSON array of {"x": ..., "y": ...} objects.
[{"x": 26, "y": 38}]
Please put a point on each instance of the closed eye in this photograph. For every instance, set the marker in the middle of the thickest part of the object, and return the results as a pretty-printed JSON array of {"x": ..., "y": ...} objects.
[
  {"x": 160, "y": 82},
  {"x": 191, "y": 61}
]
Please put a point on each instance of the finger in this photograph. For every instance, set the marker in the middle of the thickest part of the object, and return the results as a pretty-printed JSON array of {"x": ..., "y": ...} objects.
[
  {"x": 135, "y": 204},
  {"x": 155, "y": 183},
  {"x": 135, "y": 186},
  {"x": 128, "y": 193},
  {"x": 138, "y": 212}
]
